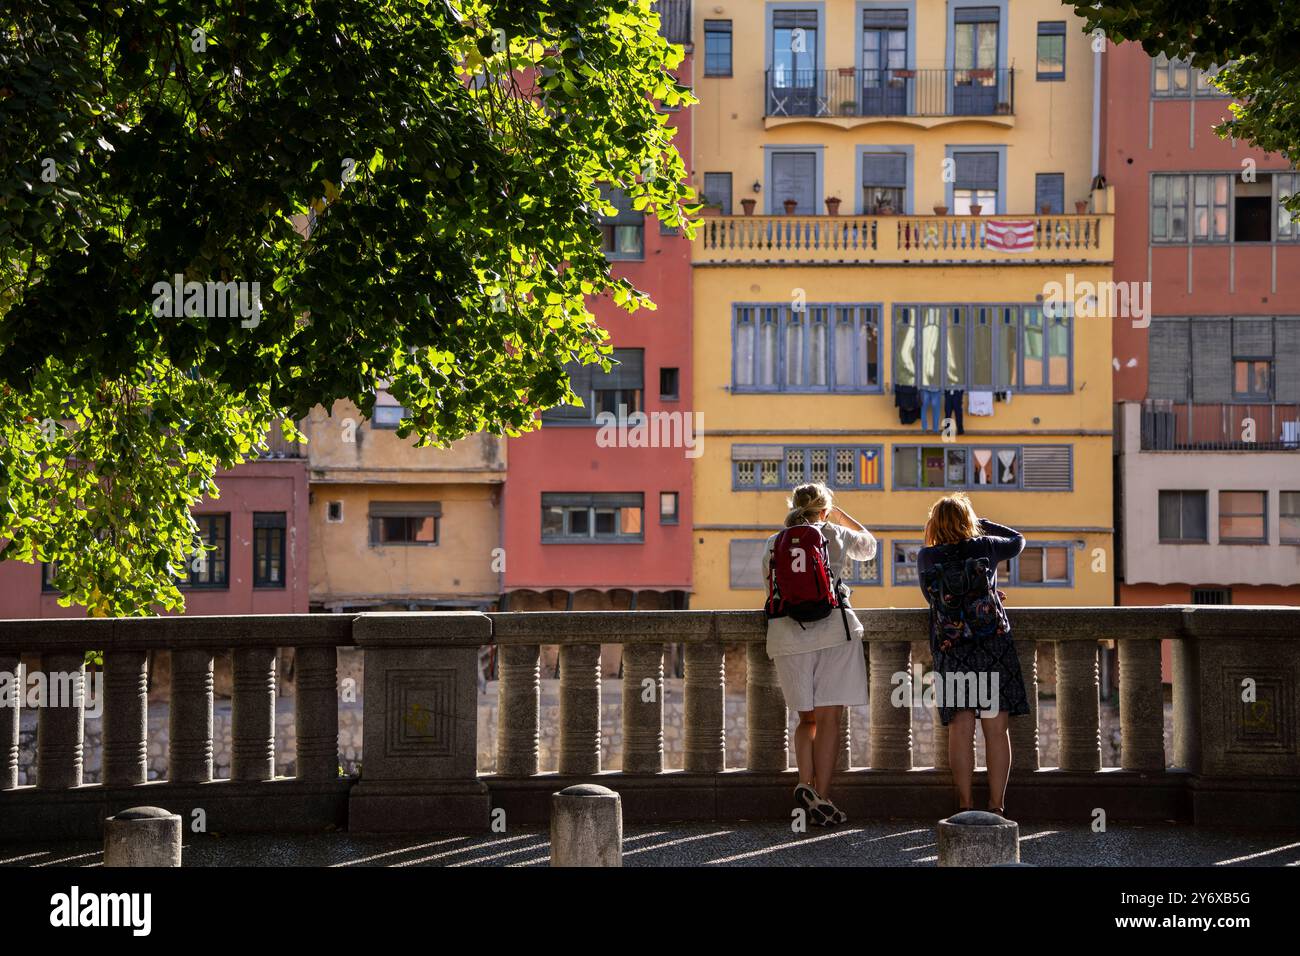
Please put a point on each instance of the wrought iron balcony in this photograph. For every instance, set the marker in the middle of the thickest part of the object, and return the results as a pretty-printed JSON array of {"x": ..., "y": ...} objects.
[
  {"x": 1219, "y": 426},
  {"x": 854, "y": 92}
]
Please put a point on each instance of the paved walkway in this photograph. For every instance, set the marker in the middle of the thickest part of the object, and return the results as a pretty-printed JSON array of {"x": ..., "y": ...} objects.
[{"x": 746, "y": 844}]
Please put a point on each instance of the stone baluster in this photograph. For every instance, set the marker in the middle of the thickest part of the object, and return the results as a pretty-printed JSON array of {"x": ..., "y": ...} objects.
[
  {"x": 844, "y": 749},
  {"x": 643, "y": 708},
  {"x": 519, "y": 700},
  {"x": 766, "y": 717},
  {"x": 252, "y": 722},
  {"x": 126, "y": 718},
  {"x": 316, "y": 715},
  {"x": 1141, "y": 706},
  {"x": 1024, "y": 730},
  {"x": 1078, "y": 705},
  {"x": 11, "y": 670},
  {"x": 705, "y": 733},
  {"x": 579, "y": 708},
  {"x": 891, "y": 727},
  {"x": 190, "y": 717},
  {"x": 939, "y": 734},
  {"x": 60, "y": 734}
]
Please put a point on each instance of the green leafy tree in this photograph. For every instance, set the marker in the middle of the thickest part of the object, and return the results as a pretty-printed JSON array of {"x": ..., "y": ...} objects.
[
  {"x": 410, "y": 184},
  {"x": 1254, "y": 49}
]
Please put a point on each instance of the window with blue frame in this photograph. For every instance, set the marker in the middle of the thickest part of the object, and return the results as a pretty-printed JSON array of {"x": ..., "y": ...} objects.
[
  {"x": 983, "y": 467},
  {"x": 984, "y": 347},
  {"x": 903, "y": 559},
  {"x": 779, "y": 467},
  {"x": 1051, "y": 50},
  {"x": 863, "y": 572},
  {"x": 810, "y": 348},
  {"x": 623, "y": 233},
  {"x": 717, "y": 48}
]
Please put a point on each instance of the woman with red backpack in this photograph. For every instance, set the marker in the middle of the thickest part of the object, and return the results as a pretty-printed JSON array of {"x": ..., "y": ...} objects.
[
  {"x": 814, "y": 637},
  {"x": 970, "y": 640}
]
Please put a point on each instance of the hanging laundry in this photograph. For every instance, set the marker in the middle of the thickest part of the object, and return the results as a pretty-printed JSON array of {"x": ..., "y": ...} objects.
[
  {"x": 983, "y": 466},
  {"x": 980, "y": 403},
  {"x": 952, "y": 407},
  {"x": 908, "y": 400},
  {"x": 1007, "y": 473}
]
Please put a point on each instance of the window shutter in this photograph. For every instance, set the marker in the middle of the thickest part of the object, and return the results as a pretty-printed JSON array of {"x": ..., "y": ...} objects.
[
  {"x": 1252, "y": 338},
  {"x": 1046, "y": 467},
  {"x": 746, "y": 563},
  {"x": 626, "y": 215},
  {"x": 1168, "y": 357},
  {"x": 794, "y": 176},
  {"x": 757, "y": 452},
  {"x": 884, "y": 169},
  {"x": 628, "y": 373},
  {"x": 1049, "y": 191},
  {"x": 1286, "y": 361},
  {"x": 975, "y": 15},
  {"x": 976, "y": 170},
  {"x": 674, "y": 20},
  {"x": 876, "y": 19},
  {"x": 790, "y": 19},
  {"x": 405, "y": 509},
  {"x": 580, "y": 382},
  {"x": 1212, "y": 360},
  {"x": 592, "y": 500}
]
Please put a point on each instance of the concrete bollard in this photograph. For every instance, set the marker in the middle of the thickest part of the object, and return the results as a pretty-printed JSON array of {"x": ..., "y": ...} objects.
[
  {"x": 978, "y": 838},
  {"x": 143, "y": 836},
  {"x": 586, "y": 827}
]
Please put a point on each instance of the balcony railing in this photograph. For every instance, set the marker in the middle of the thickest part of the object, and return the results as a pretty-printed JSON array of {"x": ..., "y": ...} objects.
[
  {"x": 893, "y": 239},
  {"x": 1218, "y": 426},
  {"x": 853, "y": 92},
  {"x": 421, "y": 720}
]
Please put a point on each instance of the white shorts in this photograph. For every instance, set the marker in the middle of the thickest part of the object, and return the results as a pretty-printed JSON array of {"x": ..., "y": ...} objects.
[{"x": 831, "y": 677}]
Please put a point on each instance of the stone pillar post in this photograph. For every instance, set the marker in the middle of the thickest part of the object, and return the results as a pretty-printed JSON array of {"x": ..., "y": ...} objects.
[
  {"x": 579, "y": 709},
  {"x": 10, "y": 718},
  {"x": 252, "y": 720},
  {"x": 1141, "y": 706},
  {"x": 767, "y": 726},
  {"x": 978, "y": 838},
  {"x": 420, "y": 769},
  {"x": 844, "y": 750},
  {"x": 60, "y": 734},
  {"x": 705, "y": 733},
  {"x": 1078, "y": 705},
  {"x": 1024, "y": 730},
  {"x": 643, "y": 708},
  {"x": 519, "y": 700},
  {"x": 126, "y": 718},
  {"x": 316, "y": 716},
  {"x": 142, "y": 836},
  {"x": 586, "y": 827},
  {"x": 190, "y": 718},
  {"x": 891, "y": 727}
]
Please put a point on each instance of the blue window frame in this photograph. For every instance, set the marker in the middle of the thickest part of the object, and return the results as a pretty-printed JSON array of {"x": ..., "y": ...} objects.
[
  {"x": 818, "y": 347},
  {"x": 982, "y": 467},
  {"x": 984, "y": 347},
  {"x": 717, "y": 48},
  {"x": 1051, "y": 50},
  {"x": 780, "y": 467},
  {"x": 902, "y": 555},
  {"x": 863, "y": 573}
]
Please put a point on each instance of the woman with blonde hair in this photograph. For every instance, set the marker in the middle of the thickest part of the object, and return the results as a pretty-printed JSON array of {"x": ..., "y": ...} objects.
[
  {"x": 970, "y": 640},
  {"x": 812, "y": 635}
]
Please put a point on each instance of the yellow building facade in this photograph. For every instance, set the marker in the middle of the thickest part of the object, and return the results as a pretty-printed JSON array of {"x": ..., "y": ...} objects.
[{"x": 861, "y": 135}]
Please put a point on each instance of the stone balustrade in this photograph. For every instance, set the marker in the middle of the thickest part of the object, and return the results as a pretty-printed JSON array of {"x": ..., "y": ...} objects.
[{"x": 1234, "y": 694}]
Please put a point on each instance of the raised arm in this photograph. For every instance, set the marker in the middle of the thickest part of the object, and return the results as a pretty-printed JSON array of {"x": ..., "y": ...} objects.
[
  {"x": 859, "y": 543},
  {"x": 1005, "y": 542}
]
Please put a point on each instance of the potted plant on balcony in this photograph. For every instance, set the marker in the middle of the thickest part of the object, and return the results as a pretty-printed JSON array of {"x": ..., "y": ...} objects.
[
  {"x": 1080, "y": 206},
  {"x": 976, "y": 209},
  {"x": 884, "y": 205},
  {"x": 1004, "y": 108},
  {"x": 790, "y": 206},
  {"x": 940, "y": 209},
  {"x": 833, "y": 205},
  {"x": 981, "y": 74},
  {"x": 711, "y": 209},
  {"x": 748, "y": 206},
  {"x": 904, "y": 74},
  {"x": 848, "y": 107}
]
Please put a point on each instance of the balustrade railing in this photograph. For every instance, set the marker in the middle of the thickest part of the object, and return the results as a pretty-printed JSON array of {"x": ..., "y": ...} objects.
[{"x": 1234, "y": 692}]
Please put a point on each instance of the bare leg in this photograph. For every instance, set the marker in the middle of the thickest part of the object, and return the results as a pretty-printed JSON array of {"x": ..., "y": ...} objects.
[
  {"x": 827, "y": 738},
  {"x": 997, "y": 749},
  {"x": 961, "y": 754},
  {"x": 804, "y": 733}
]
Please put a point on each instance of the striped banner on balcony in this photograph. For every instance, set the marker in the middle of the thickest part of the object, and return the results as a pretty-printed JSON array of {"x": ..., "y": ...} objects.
[{"x": 1009, "y": 235}]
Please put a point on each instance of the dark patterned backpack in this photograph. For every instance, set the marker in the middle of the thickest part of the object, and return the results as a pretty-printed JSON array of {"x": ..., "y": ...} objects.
[{"x": 964, "y": 604}]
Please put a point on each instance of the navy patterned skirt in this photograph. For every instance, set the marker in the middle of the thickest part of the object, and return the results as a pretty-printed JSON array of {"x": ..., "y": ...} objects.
[{"x": 983, "y": 658}]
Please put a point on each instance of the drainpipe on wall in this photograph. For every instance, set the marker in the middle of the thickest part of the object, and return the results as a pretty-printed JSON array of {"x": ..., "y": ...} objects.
[{"x": 1096, "y": 115}]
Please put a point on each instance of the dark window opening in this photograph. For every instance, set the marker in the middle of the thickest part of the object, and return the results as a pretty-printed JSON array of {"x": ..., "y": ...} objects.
[
  {"x": 669, "y": 383},
  {"x": 268, "y": 549}
]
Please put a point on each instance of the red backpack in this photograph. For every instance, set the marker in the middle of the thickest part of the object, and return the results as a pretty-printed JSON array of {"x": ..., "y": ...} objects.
[{"x": 800, "y": 584}]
